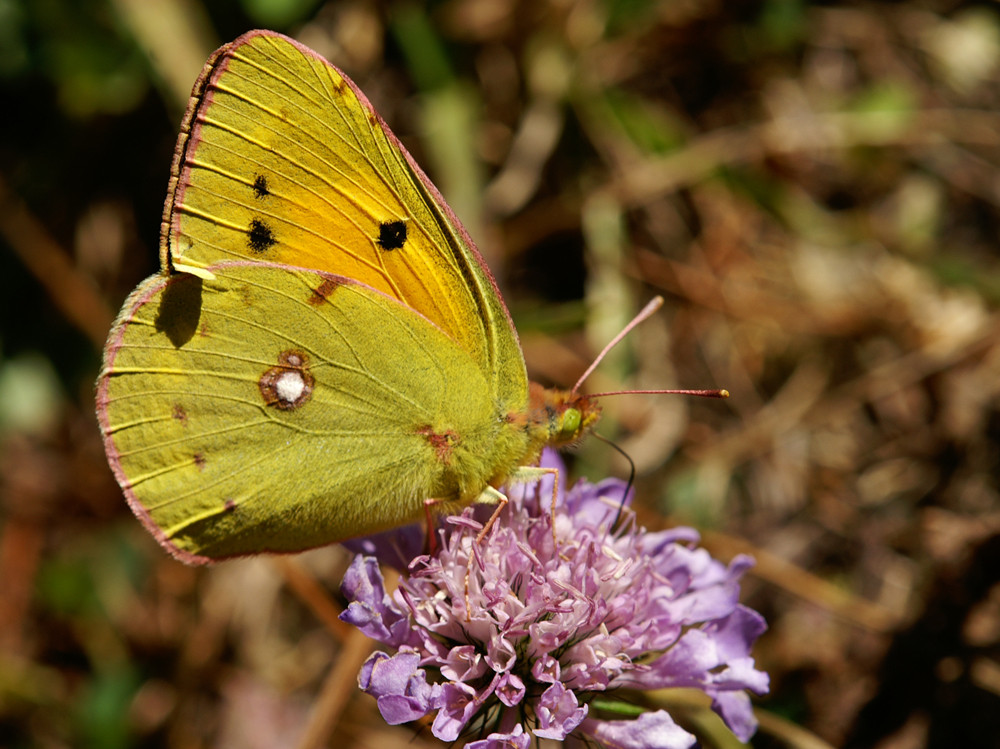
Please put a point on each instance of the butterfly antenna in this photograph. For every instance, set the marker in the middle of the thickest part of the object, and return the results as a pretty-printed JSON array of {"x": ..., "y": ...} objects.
[
  {"x": 631, "y": 477},
  {"x": 700, "y": 393},
  {"x": 654, "y": 304}
]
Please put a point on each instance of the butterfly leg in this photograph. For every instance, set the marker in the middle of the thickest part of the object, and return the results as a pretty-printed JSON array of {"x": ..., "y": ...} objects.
[
  {"x": 491, "y": 495},
  {"x": 526, "y": 474},
  {"x": 431, "y": 544}
]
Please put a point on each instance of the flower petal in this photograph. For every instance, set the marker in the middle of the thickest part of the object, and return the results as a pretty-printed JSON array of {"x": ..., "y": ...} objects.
[
  {"x": 459, "y": 702},
  {"x": 516, "y": 739},
  {"x": 399, "y": 686},
  {"x": 655, "y": 730},
  {"x": 558, "y": 712},
  {"x": 510, "y": 689},
  {"x": 737, "y": 633},
  {"x": 370, "y": 609},
  {"x": 463, "y": 663},
  {"x": 735, "y": 709}
]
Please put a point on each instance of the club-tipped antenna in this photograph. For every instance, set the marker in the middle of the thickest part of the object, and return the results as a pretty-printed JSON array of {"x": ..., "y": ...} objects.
[
  {"x": 654, "y": 304},
  {"x": 700, "y": 393}
]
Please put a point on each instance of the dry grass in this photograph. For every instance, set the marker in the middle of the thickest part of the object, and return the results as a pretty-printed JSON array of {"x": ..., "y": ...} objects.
[{"x": 813, "y": 188}]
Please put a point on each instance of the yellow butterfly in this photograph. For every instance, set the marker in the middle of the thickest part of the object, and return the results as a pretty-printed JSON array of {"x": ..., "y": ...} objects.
[{"x": 324, "y": 350}]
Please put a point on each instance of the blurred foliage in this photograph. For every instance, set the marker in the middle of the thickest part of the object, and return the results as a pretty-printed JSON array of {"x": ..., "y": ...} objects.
[{"x": 813, "y": 187}]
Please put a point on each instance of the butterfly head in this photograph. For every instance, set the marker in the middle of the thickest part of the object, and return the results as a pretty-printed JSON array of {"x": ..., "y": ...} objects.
[{"x": 562, "y": 417}]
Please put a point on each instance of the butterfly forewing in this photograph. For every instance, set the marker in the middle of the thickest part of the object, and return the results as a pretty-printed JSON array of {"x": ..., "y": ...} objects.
[{"x": 282, "y": 159}]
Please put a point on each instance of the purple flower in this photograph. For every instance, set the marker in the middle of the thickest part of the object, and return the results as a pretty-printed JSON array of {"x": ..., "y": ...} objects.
[{"x": 552, "y": 624}]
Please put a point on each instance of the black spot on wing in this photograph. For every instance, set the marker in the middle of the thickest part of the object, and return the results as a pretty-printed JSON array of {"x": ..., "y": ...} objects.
[
  {"x": 391, "y": 235},
  {"x": 260, "y": 237},
  {"x": 260, "y": 188}
]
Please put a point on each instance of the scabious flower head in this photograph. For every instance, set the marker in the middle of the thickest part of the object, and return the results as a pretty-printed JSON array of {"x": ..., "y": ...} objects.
[{"x": 517, "y": 634}]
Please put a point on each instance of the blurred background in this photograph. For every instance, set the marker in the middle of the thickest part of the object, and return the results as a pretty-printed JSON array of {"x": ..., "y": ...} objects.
[{"x": 812, "y": 187}]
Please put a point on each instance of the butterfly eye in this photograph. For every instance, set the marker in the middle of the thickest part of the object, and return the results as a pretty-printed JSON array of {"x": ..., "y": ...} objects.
[{"x": 569, "y": 428}]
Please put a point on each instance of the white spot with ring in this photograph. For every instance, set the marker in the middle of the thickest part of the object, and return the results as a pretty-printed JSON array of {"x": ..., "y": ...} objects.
[{"x": 289, "y": 387}]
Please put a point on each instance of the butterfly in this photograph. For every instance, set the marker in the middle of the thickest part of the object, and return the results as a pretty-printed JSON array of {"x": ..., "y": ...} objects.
[{"x": 324, "y": 351}]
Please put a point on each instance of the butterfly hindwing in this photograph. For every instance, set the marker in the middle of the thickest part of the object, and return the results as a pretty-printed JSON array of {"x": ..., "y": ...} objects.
[{"x": 274, "y": 408}]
